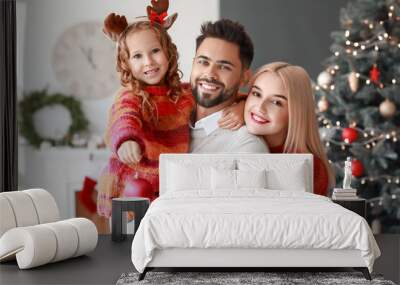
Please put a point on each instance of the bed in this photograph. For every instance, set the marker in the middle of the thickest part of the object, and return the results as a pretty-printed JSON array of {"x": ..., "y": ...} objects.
[{"x": 247, "y": 210}]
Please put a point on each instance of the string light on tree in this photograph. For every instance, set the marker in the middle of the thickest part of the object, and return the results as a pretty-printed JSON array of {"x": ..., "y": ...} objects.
[{"x": 361, "y": 117}]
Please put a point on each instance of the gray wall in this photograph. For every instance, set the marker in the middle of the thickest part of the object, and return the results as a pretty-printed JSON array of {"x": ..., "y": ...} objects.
[{"x": 290, "y": 30}]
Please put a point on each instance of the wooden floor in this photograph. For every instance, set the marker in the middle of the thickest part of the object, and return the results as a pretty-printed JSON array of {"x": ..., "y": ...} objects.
[{"x": 111, "y": 259}]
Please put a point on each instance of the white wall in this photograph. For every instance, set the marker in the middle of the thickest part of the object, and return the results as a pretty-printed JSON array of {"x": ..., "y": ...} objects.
[{"x": 47, "y": 19}]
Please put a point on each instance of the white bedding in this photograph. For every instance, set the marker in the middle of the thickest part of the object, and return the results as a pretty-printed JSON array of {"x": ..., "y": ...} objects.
[{"x": 252, "y": 218}]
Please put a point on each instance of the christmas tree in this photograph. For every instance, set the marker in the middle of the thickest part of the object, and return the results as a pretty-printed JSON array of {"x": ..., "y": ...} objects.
[{"x": 358, "y": 99}]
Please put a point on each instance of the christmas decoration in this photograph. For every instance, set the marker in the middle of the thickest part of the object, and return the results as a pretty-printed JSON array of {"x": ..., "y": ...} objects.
[
  {"x": 324, "y": 79},
  {"x": 40, "y": 99},
  {"x": 85, "y": 195},
  {"x": 357, "y": 168},
  {"x": 323, "y": 104},
  {"x": 349, "y": 135},
  {"x": 353, "y": 81},
  {"x": 362, "y": 119},
  {"x": 137, "y": 187},
  {"x": 374, "y": 74},
  {"x": 376, "y": 227},
  {"x": 387, "y": 108}
]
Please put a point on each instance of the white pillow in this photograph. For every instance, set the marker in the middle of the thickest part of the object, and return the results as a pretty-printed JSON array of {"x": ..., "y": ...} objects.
[
  {"x": 223, "y": 179},
  {"x": 237, "y": 179},
  {"x": 282, "y": 174},
  {"x": 292, "y": 179},
  {"x": 182, "y": 177},
  {"x": 190, "y": 176},
  {"x": 251, "y": 178}
]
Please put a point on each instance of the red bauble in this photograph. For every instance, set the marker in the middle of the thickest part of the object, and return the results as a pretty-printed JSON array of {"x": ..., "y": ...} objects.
[
  {"x": 357, "y": 168},
  {"x": 349, "y": 134},
  {"x": 374, "y": 74},
  {"x": 138, "y": 187}
]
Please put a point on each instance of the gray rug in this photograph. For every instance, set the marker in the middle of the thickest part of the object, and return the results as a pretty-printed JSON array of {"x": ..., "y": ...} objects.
[{"x": 243, "y": 278}]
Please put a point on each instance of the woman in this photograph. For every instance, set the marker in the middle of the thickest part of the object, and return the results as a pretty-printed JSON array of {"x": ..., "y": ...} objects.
[{"x": 280, "y": 107}]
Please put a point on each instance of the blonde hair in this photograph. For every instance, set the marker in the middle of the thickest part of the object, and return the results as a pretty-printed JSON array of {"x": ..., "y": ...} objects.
[
  {"x": 172, "y": 78},
  {"x": 302, "y": 135}
]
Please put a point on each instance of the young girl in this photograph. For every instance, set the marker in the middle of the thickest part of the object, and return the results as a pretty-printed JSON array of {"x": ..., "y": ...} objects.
[
  {"x": 280, "y": 107},
  {"x": 150, "y": 114}
]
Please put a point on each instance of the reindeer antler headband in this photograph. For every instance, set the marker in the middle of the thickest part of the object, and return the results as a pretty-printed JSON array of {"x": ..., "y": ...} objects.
[{"x": 115, "y": 24}]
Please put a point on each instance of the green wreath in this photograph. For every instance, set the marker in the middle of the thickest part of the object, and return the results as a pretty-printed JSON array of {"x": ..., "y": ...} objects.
[{"x": 36, "y": 100}]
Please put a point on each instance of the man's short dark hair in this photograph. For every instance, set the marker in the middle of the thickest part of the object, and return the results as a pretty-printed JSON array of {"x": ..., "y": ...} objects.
[{"x": 232, "y": 32}]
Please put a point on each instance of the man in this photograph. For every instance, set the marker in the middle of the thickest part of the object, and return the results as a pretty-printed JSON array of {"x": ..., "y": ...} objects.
[{"x": 224, "y": 53}]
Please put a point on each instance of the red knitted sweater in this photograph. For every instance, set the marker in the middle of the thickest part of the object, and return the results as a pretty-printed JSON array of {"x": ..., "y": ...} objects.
[{"x": 169, "y": 133}]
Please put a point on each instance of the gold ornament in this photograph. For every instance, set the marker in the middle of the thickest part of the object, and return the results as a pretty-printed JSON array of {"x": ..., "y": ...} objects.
[
  {"x": 324, "y": 79},
  {"x": 353, "y": 81},
  {"x": 387, "y": 108},
  {"x": 323, "y": 104},
  {"x": 348, "y": 23}
]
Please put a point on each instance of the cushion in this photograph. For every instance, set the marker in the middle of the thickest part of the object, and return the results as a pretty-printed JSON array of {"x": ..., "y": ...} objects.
[
  {"x": 45, "y": 205},
  {"x": 281, "y": 174},
  {"x": 23, "y": 208},
  {"x": 251, "y": 178},
  {"x": 188, "y": 176},
  {"x": 293, "y": 179},
  {"x": 183, "y": 177},
  {"x": 237, "y": 179},
  {"x": 223, "y": 179},
  {"x": 7, "y": 215},
  {"x": 40, "y": 244},
  {"x": 27, "y": 208}
]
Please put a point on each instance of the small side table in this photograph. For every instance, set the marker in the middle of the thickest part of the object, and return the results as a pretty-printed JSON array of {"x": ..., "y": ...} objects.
[
  {"x": 138, "y": 205},
  {"x": 357, "y": 205}
]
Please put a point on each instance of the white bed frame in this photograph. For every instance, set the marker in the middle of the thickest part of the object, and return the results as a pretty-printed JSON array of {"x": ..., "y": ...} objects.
[{"x": 250, "y": 258}]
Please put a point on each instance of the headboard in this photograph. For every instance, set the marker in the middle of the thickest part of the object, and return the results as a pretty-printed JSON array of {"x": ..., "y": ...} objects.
[{"x": 279, "y": 162}]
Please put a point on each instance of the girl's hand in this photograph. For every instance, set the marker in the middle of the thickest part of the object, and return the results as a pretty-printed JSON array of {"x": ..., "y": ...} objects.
[
  {"x": 129, "y": 152},
  {"x": 232, "y": 117}
]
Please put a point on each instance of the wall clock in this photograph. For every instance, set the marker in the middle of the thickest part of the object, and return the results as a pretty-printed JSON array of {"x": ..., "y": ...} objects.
[{"x": 84, "y": 61}]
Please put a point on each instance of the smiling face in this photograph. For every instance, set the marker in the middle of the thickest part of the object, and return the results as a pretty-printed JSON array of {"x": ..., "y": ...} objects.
[
  {"x": 266, "y": 110},
  {"x": 216, "y": 73},
  {"x": 147, "y": 59}
]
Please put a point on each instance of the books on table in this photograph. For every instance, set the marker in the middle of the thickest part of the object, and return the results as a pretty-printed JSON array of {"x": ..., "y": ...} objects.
[{"x": 344, "y": 194}]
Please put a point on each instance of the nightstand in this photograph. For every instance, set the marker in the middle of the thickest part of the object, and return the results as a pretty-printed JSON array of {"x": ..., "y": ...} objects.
[
  {"x": 357, "y": 205},
  {"x": 120, "y": 206}
]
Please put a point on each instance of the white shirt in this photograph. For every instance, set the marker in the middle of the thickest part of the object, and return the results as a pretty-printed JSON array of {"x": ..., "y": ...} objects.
[
  {"x": 209, "y": 123},
  {"x": 207, "y": 137}
]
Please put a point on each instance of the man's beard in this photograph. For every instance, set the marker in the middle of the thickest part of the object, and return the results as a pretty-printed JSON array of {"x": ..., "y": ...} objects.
[{"x": 207, "y": 102}]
